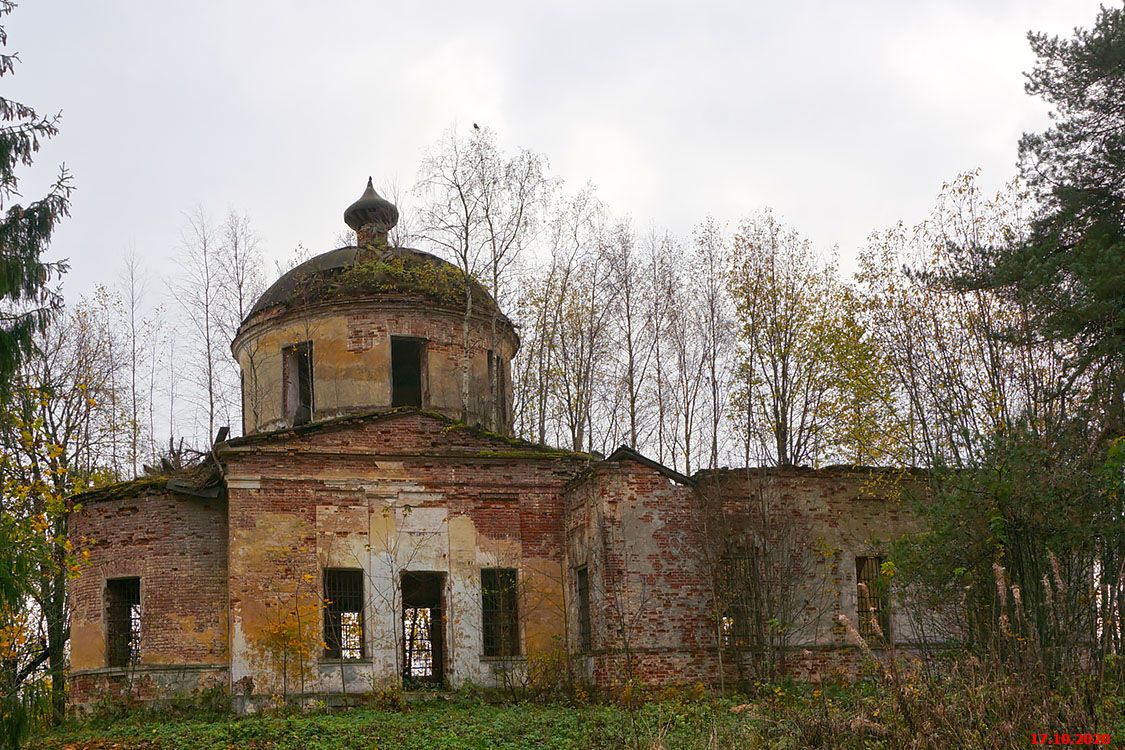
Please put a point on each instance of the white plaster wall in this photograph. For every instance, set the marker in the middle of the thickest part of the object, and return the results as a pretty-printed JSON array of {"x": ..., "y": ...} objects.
[{"x": 403, "y": 530}]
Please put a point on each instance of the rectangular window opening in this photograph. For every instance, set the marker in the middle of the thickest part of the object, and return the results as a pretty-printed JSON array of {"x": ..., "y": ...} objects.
[
  {"x": 499, "y": 602},
  {"x": 418, "y": 637},
  {"x": 734, "y": 625},
  {"x": 582, "y": 581},
  {"x": 873, "y": 605},
  {"x": 343, "y": 614},
  {"x": 406, "y": 371},
  {"x": 497, "y": 389},
  {"x": 297, "y": 374},
  {"x": 123, "y": 605}
]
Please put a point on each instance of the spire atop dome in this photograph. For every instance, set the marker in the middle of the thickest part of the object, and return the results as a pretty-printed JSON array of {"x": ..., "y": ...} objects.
[{"x": 372, "y": 216}]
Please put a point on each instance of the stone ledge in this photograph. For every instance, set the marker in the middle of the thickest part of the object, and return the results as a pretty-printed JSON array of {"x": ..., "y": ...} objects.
[{"x": 146, "y": 669}]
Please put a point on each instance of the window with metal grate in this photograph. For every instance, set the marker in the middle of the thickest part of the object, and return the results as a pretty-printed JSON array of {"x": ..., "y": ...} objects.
[
  {"x": 343, "y": 614},
  {"x": 123, "y": 621},
  {"x": 499, "y": 602}
]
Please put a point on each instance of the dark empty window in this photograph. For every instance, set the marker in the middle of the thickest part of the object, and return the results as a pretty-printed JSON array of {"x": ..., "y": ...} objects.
[
  {"x": 297, "y": 374},
  {"x": 343, "y": 614},
  {"x": 582, "y": 578},
  {"x": 873, "y": 603},
  {"x": 242, "y": 396},
  {"x": 406, "y": 371},
  {"x": 496, "y": 387},
  {"x": 123, "y": 626},
  {"x": 501, "y": 616}
]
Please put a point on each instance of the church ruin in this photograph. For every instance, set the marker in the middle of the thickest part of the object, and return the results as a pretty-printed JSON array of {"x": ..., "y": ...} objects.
[{"x": 376, "y": 524}]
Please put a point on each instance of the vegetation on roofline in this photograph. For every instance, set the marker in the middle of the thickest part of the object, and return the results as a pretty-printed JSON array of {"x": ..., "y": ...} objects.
[
  {"x": 545, "y": 453},
  {"x": 522, "y": 446},
  {"x": 378, "y": 270},
  {"x": 194, "y": 468},
  {"x": 127, "y": 488},
  {"x": 899, "y": 472}
]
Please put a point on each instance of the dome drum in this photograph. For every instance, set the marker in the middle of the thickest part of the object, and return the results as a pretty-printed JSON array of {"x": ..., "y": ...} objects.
[{"x": 361, "y": 329}]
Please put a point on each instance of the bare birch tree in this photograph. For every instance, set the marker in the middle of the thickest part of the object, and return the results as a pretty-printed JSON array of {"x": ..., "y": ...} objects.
[
  {"x": 132, "y": 284},
  {"x": 783, "y": 294},
  {"x": 450, "y": 220},
  {"x": 662, "y": 250},
  {"x": 198, "y": 287},
  {"x": 241, "y": 283},
  {"x": 586, "y": 302},
  {"x": 711, "y": 296},
  {"x": 634, "y": 334},
  {"x": 480, "y": 209}
]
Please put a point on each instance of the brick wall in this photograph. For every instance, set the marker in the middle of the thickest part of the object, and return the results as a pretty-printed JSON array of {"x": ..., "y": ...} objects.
[
  {"x": 177, "y": 546},
  {"x": 409, "y": 491},
  {"x": 406, "y": 491},
  {"x": 652, "y": 548},
  {"x": 823, "y": 519},
  {"x": 352, "y": 360},
  {"x": 636, "y": 531}
]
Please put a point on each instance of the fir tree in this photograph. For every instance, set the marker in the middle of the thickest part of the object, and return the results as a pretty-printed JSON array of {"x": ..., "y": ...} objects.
[
  {"x": 27, "y": 297},
  {"x": 1069, "y": 273}
]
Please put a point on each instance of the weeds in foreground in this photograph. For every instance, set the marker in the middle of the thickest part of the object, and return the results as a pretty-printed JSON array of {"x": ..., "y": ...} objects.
[{"x": 964, "y": 704}]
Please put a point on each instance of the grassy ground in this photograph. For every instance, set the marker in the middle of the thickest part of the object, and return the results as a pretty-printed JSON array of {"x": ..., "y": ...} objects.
[
  {"x": 432, "y": 725},
  {"x": 967, "y": 708}
]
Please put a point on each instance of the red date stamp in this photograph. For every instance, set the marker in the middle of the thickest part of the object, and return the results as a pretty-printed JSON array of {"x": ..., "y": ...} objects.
[{"x": 1061, "y": 738}]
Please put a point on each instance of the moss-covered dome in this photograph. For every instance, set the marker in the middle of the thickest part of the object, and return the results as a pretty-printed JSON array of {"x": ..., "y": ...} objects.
[
  {"x": 372, "y": 269},
  {"x": 354, "y": 273}
]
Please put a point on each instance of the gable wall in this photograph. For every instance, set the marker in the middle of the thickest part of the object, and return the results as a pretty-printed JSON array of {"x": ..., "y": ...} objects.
[
  {"x": 636, "y": 532},
  {"x": 401, "y": 493}
]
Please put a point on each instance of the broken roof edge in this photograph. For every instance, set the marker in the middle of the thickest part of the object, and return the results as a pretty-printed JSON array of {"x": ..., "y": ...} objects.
[
  {"x": 520, "y": 448},
  {"x": 624, "y": 452},
  {"x": 179, "y": 483},
  {"x": 830, "y": 470}
]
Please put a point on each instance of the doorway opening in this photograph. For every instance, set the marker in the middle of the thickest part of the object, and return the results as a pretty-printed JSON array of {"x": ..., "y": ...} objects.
[{"x": 423, "y": 653}]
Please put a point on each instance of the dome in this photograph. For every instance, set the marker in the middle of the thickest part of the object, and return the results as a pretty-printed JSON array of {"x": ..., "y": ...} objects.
[
  {"x": 363, "y": 273},
  {"x": 371, "y": 269}
]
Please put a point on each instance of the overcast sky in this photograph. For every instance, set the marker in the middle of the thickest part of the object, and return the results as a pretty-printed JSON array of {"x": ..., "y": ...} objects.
[{"x": 842, "y": 117}]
